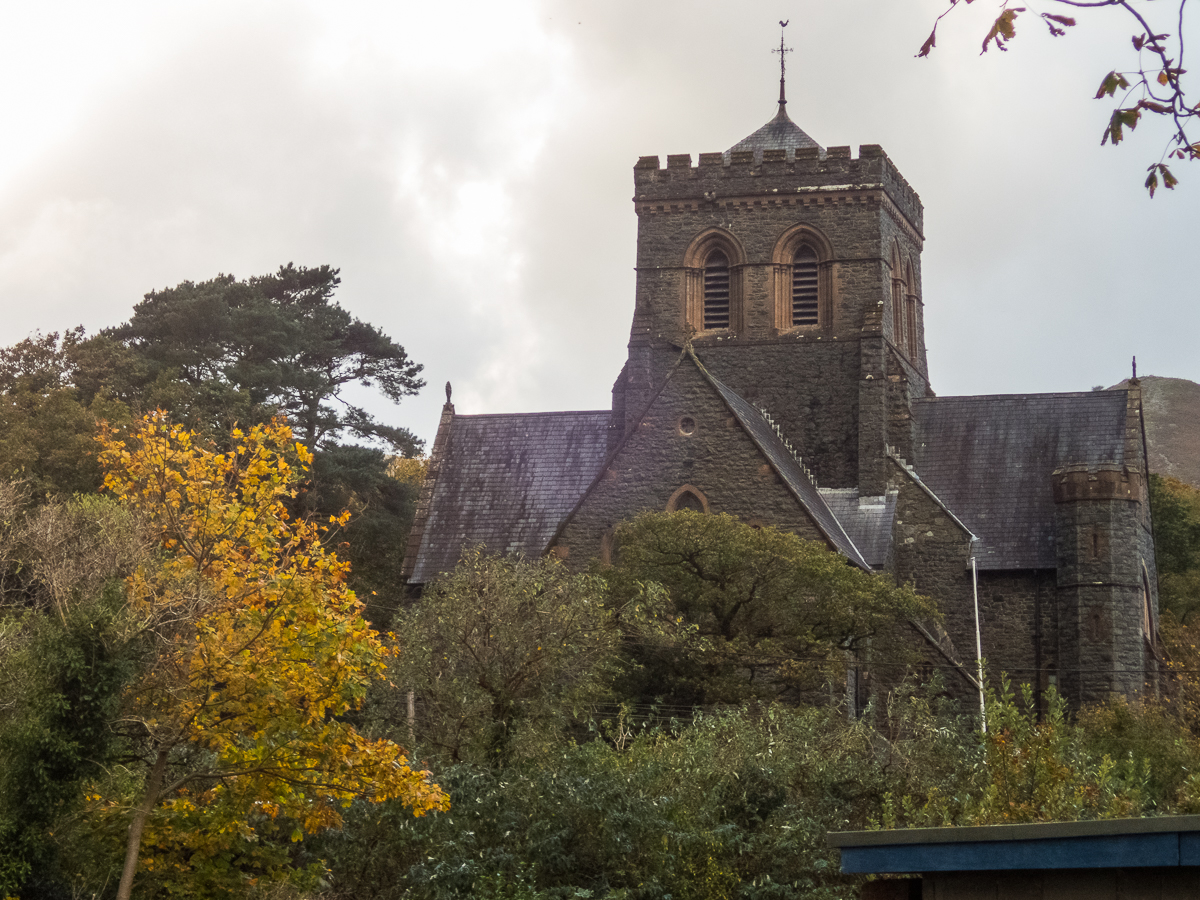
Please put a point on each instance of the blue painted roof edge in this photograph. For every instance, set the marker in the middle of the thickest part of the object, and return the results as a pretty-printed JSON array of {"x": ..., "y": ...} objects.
[
  {"x": 1020, "y": 832},
  {"x": 1169, "y": 841}
]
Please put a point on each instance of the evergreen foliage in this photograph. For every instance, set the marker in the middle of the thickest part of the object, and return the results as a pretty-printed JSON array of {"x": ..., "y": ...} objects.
[
  {"x": 1175, "y": 507},
  {"x": 69, "y": 677},
  {"x": 730, "y": 804},
  {"x": 348, "y": 477},
  {"x": 48, "y": 413},
  {"x": 772, "y": 616},
  {"x": 273, "y": 343}
]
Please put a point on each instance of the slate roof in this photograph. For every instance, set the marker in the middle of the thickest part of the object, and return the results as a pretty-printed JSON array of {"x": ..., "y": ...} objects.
[
  {"x": 989, "y": 459},
  {"x": 781, "y": 133},
  {"x": 781, "y": 458},
  {"x": 868, "y": 520},
  {"x": 507, "y": 481}
]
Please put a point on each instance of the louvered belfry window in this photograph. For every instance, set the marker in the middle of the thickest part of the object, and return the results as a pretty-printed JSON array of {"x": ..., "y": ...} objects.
[
  {"x": 716, "y": 291},
  {"x": 804, "y": 287}
]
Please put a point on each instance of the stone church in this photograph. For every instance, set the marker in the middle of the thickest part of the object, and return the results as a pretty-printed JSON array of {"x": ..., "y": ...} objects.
[{"x": 777, "y": 372}]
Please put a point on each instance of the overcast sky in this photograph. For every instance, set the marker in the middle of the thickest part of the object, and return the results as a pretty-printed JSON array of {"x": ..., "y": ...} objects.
[{"x": 468, "y": 167}]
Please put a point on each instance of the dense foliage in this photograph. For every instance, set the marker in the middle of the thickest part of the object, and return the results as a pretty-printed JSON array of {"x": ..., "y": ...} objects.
[
  {"x": 64, "y": 685},
  {"x": 216, "y": 355},
  {"x": 1176, "y": 509},
  {"x": 257, "y": 650},
  {"x": 180, "y": 662},
  {"x": 187, "y": 652},
  {"x": 732, "y": 804},
  {"x": 49, "y": 407},
  {"x": 272, "y": 342},
  {"x": 773, "y": 616},
  {"x": 503, "y": 654},
  {"x": 364, "y": 482},
  {"x": 736, "y": 803}
]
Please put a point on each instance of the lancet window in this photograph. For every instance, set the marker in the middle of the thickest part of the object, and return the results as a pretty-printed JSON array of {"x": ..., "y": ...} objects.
[
  {"x": 716, "y": 291},
  {"x": 805, "y": 287}
]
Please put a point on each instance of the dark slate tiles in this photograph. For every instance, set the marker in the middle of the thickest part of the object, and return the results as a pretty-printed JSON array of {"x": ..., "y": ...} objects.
[
  {"x": 868, "y": 520},
  {"x": 989, "y": 459},
  {"x": 507, "y": 482},
  {"x": 781, "y": 133}
]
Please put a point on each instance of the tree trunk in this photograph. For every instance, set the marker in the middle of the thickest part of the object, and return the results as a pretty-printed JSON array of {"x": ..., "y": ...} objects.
[
  {"x": 412, "y": 722},
  {"x": 139, "y": 822}
]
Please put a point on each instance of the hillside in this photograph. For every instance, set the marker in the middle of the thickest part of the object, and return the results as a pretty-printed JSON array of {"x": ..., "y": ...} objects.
[{"x": 1172, "y": 411}]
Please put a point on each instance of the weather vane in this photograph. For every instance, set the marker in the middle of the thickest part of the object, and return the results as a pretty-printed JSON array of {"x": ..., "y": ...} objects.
[{"x": 782, "y": 51}]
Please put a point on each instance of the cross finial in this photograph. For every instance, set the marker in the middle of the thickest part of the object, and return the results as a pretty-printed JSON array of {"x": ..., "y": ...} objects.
[{"x": 782, "y": 51}]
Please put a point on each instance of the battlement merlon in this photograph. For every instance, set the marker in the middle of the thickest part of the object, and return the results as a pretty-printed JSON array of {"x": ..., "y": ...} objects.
[{"x": 716, "y": 177}]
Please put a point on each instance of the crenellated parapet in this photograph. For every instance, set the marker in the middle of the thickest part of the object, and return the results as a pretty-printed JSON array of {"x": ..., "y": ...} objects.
[{"x": 803, "y": 176}]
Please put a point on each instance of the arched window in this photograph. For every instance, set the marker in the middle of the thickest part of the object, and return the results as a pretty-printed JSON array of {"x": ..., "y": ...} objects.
[
  {"x": 688, "y": 497},
  {"x": 898, "y": 316},
  {"x": 716, "y": 291},
  {"x": 899, "y": 297},
  {"x": 712, "y": 288},
  {"x": 910, "y": 310},
  {"x": 805, "y": 293},
  {"x": 803, "y": 282}
]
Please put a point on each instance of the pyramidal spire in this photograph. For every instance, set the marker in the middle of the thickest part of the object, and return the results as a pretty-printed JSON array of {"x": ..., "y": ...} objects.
[{"x": 781, "y": 133}]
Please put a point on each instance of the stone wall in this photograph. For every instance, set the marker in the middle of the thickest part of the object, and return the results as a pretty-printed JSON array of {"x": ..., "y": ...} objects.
[
  {"x": 930, "y": 551},
  {"x": 657, "y": 458},
  {"x": 1018, "y": 615},
  {"x": 825, "y": 385},
  {"x": 1099, "y": 548},
  {"x": 680, "y": 180},
  {"x": 812, "y": 391}
]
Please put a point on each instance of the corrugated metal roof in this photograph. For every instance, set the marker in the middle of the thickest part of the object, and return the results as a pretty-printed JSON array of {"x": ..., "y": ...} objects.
[
  {"x": 989, "y": 459},
  {"x": 507, "y": 481},
  {"x": 868, "y": 520}
]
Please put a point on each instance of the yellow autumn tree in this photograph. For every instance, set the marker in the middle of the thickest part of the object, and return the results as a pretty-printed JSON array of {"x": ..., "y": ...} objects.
[{"x": 256, "y": 649}]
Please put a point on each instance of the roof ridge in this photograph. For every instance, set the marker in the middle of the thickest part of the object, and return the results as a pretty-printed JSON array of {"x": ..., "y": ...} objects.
[
  {"x": 894, "y": 455},
  {"x": 787, "y": 445},
  {"x": 1106, "y": 393},
  {"x": 549, "y": 412}
]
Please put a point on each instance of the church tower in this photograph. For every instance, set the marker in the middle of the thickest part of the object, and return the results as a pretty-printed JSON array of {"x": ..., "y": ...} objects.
[
  {"x": 777, "y": 374},
  {"x": 794, "y": 272}
]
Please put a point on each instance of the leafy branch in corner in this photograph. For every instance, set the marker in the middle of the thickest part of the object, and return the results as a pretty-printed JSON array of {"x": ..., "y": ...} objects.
[{"x": 1155, "y": 86}]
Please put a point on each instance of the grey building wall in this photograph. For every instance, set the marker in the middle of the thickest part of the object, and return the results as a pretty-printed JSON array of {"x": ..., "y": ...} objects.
[
  {"x": 657, "y": 458},
  {"x": 826, "y": 386}
]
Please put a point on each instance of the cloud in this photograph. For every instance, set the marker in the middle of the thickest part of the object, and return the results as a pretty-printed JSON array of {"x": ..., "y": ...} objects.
[{"x": 468, "y": 169}]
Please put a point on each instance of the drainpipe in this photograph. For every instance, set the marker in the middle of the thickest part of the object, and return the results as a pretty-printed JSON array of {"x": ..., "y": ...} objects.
[{"x": 978, "y": 643}]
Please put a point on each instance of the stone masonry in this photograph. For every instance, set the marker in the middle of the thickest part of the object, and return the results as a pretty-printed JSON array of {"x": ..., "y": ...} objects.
[{"x": 825, "y": 425}]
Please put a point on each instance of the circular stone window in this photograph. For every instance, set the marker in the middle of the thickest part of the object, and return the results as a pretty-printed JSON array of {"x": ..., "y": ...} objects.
[{"x": 687, "y": 425}]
